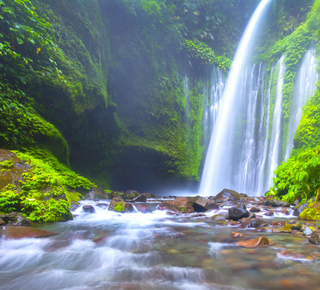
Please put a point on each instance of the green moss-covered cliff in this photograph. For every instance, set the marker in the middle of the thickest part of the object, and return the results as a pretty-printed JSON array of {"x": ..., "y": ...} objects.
[{"x": 100, "y": 84}]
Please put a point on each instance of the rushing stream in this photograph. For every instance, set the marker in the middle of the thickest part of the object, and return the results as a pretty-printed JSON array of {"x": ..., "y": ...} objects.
[{"x": 107, "y": 250}]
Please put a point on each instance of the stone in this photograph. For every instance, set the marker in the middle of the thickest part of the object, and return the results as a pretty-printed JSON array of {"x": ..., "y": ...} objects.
[
  {"x": 276, "y": 203},
  {"x": 238, "y": 212},
  {"x": 140, "y": 198},
  {"x": 95, "y": 193},
  {"x": 227, "y": 195},
  {"x": 314, "y": 238},
  {"x": 269, "y": 213},
  {"x": 16, "y": 219},
  {"x": 13, "y": 232},
  {"x": 252, "y": 223},
  {"x": 117, "y": 204},
  {"x": 255, "y": 209},
  {"x": 300, "y": 208},
  {"x": 202, "y": 204},
  {"x": 179, "y": 204},
  {"x": 254, "y": 243},
  {"x": 218, "y": 218},
  {"x": 88, "y": 209},
  {"x": 307, "y": 231},
  {"x": 236, "y": 235}
]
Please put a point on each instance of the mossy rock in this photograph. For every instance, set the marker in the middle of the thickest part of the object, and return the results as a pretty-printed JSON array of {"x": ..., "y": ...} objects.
[{"x": 311, "y": 213}]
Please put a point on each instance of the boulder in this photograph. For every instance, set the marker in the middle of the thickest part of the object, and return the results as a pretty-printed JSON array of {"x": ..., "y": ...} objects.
[
  {"x": 254, "y": 243},
  {"x": 94, "y": 193},
  {"x": 227, "y": 195},
  {"x": 307, "y": 231},
  {"x": 15, "y": 219},
  {"x": 238, "y": 212},
  {"x": 202, "y": 204},
  {"x": 179, "y": 204},
  {"x": 117, "y": 204},
  {"x": 88, "y": 209},
  {"x": 314, "y": 238},
  {"x": 299, "y": 209},
  {"x": 140, "y": 198},
  {"x": 276, "y": 203}
]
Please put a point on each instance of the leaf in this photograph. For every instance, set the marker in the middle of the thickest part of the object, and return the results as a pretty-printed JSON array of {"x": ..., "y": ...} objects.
[{"x": 38, "y": 49}]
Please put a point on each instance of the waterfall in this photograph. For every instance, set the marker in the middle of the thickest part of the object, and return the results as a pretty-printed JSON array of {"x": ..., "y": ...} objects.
[
  {"x": 212, "y": 92},
  {"x": 274, "y": 158},
  {"x": 304, "y": 88},
  {"x": 218, "y": 165}
]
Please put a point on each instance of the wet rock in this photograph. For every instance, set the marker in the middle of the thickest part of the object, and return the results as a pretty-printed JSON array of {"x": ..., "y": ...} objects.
[
  {"x": 21, "y": 232},
  {"x": 218, "y": 218},
  {"x": 238, "y": 212},
  {"x": 130, "y": 194},
  {"x": 314, "y": 238},
  {"x": 278, "y": 224},
  {"x": 276, "y": 203},
  {"x": 236, "y": 235},
  {"x": 88, "y": 209},
  {"x": 300, "y": 208},
  {"x": 269, "y": 213},
  {"x": 150, "y": 195},
  {"x": 117, "y": 204},
  {"x": 255, "y": 209},
  {"x": 307, "y": 231},
  {"x": 252, "y": 223},
  {"x": 202, "y": 204},
  {"x": 227, "y": 195},
  {"x": 294, "y": 255},
  {"x": 16, "y": 219},
  {"x": 74, "y": 206},
  {"x": 254, "y": 243},
  {"x": 252, "y": 215},
  {"x": 94, "y": 193},
  {"x": 140, "y": 198},
  {"x": 180, "y": 204}
]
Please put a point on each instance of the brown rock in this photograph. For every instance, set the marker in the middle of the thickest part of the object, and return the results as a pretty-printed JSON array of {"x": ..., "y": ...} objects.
[
  {"x": 13, "y": 232},
  {"x": 254, "y": 243},
  {"x": 202, "y": 204},
  {"x": 180, "y": 204},
  {"x": 142, "y": 208},
  {"x": 127, "y": 207},
  {"x": 140, "y": 198},
  {"x": 255, "y": 209},
  {"x": 236, "y": 235},
  {"x": 227, "y": 195}
]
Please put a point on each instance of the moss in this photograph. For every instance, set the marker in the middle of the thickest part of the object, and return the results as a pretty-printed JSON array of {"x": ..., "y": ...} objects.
[
  {"x": 45, "y": 190},
  {"x": 119, "y": 207},
  {"x": 312, "y": 212},
  {"x": 6, "y": 165}
]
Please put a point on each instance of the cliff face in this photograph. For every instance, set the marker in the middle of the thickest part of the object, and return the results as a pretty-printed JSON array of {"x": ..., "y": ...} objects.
[{"x": 101, "y": 83}]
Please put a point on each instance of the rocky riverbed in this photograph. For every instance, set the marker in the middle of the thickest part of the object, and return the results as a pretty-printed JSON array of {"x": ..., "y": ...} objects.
[{"x": 229, "y": 241}]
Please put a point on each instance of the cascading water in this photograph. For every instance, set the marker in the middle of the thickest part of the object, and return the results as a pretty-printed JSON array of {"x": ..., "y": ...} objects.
[
  {"x": 218, "y": 165},
  {"x": 212, "y": 100},
  {"x": 304, "y": 88}
]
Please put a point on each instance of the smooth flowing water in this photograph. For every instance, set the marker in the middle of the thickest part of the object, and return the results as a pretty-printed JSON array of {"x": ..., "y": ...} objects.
[
  {"x": 107, "y": 250},
  {"x": 305, "y": 86},
  {"x": 218, "y": 164}
]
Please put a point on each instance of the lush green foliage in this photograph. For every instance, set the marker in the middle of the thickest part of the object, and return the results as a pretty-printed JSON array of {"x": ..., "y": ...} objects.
[
  {"x": 298, "y": 177},
  {"x": 203, "y": 52},
  {"x": 45, "y": 192}
]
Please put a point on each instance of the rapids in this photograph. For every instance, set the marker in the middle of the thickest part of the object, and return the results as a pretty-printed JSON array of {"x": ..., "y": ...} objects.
[{"x": 107, "y": 250}]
